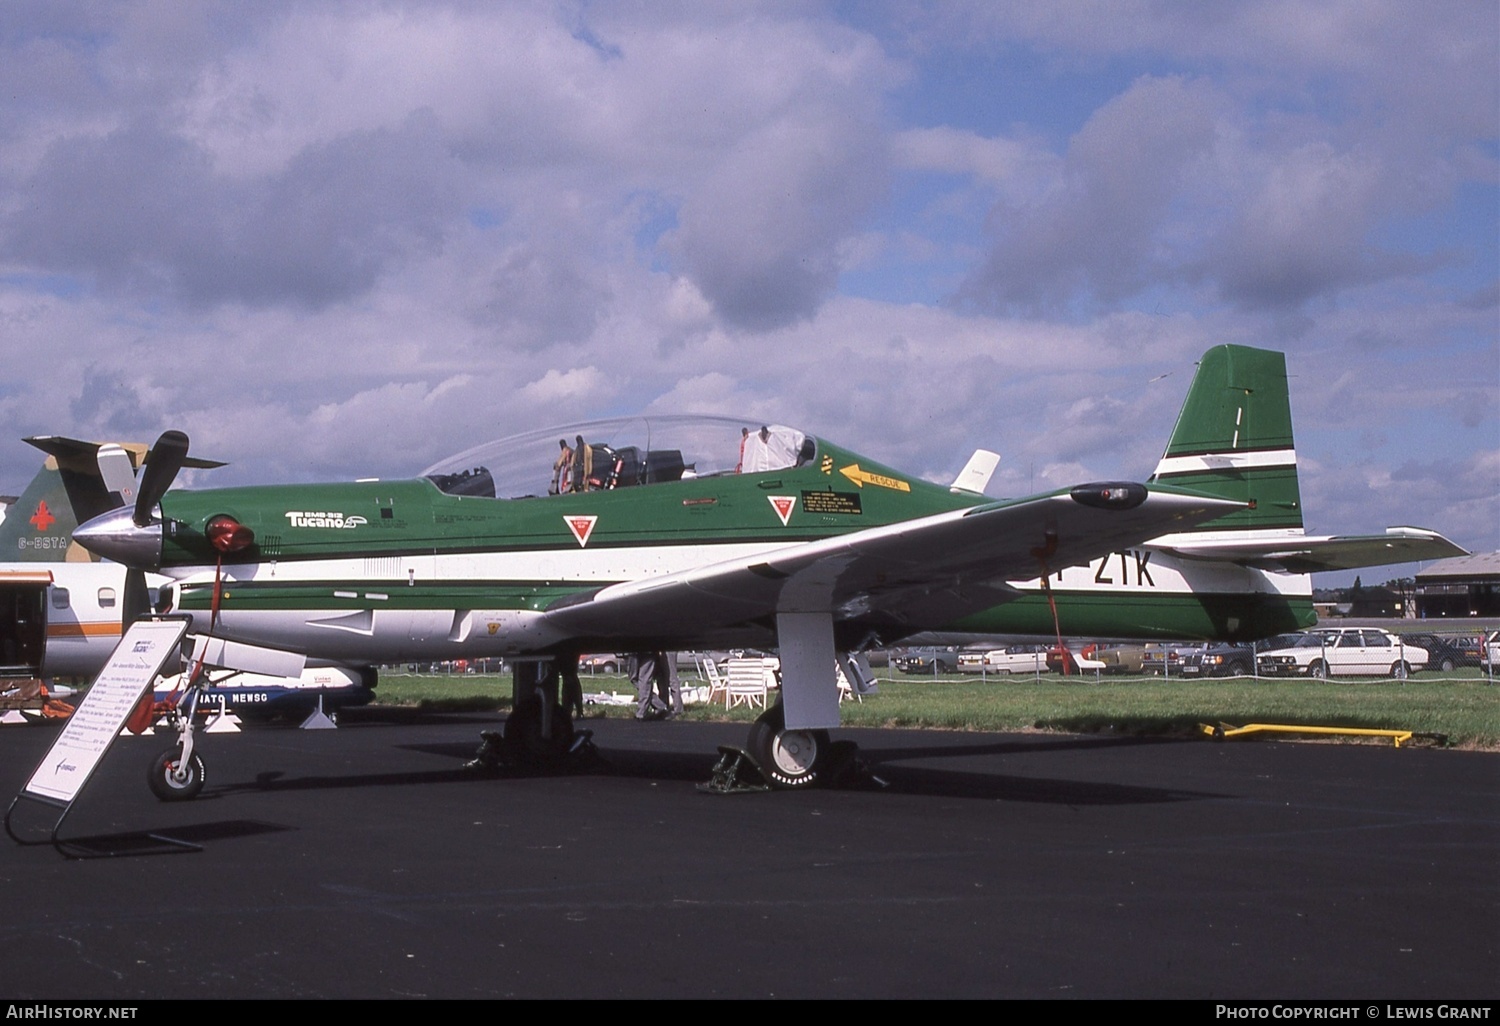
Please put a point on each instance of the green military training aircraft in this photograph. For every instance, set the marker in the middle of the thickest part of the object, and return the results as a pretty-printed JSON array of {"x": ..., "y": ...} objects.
[{"x": 667, "y": 533}]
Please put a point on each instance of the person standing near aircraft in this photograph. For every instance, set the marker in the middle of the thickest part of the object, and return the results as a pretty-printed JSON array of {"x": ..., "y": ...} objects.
[
  {"x": 668, "y": 684},
  {"x": 583, "y": 465},
  {"x": 572, "y": 687},
  {"x": 643, "y": 674},
  {"x": 562, "y": 470}
]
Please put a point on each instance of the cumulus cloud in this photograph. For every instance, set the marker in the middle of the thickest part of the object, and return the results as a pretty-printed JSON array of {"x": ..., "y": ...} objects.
[
  {"x": 1100, "y": 230},
  {"x": 142, "y": 209},
  {"x": 761, "y": 234}
]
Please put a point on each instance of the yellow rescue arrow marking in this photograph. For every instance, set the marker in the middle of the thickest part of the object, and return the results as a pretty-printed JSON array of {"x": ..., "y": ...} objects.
[{"x": 864, "y": 477}]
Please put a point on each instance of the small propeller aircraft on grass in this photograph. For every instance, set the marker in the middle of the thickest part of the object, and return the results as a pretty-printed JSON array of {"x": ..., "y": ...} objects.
[{"x": 669, "y": 533}]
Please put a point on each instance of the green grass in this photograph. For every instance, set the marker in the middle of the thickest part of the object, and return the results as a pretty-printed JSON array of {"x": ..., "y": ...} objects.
[{"x": 1463, "y": 706}]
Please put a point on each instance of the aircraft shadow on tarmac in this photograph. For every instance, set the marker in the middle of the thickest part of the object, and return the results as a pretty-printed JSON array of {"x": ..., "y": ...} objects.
[{"x": 694, "y": 768}]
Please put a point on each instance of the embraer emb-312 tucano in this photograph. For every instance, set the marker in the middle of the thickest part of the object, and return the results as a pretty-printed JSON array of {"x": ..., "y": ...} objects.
[{"x": 672, "y": 533}]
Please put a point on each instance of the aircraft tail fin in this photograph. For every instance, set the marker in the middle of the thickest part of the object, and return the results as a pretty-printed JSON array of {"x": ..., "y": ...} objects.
[
  {"x": 975, "y": 476},
  {"x": 1233, "y": 439},
  {"x": 79, "y": 481},
  {"x": 38, "y": 527}
]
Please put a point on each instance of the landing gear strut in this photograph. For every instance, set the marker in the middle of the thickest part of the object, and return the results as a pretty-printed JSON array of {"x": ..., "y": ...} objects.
[
  {"x": 539, "y": 732},
  {"x": 177, "y": 774}
]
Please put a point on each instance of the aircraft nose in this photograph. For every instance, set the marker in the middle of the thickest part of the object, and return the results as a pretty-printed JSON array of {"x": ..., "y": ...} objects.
[{"x": 115, "y": 535}]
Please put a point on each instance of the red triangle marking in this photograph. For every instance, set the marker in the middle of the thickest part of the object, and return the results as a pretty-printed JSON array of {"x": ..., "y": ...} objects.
[
  {"x": 783, "y": 505},
  {"x": 581, "y": 527}
]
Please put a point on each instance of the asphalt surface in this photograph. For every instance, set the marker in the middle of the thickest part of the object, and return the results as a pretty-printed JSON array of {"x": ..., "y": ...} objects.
[{"x": 367, "y": 863}]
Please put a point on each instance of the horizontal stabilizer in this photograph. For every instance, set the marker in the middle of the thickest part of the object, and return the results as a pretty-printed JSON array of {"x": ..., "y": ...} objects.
[
  {"x": 1305, "y": 554},
  {"x": 975, "y": 476},
  {"x": 78, "y": 451}
]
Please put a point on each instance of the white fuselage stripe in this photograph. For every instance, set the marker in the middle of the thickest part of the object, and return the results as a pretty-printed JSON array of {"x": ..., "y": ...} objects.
[
  {"x": 1227, "y": 461},
  {"x": 581, "y": 566}
]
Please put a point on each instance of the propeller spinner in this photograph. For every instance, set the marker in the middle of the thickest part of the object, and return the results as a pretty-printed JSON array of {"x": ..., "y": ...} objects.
[{"x": 133, "y": 536}]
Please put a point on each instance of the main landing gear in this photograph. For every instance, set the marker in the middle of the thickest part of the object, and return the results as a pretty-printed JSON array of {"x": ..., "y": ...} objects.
[
  {"x": 539, "y": 733},
  {"x": 534, "y": 738},
  {"x": 789, "y": 759},
  {"x": 775, "y": 758}
]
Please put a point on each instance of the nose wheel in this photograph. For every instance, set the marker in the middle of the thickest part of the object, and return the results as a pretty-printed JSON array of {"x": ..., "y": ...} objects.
[{"x": 174, "y": 779}]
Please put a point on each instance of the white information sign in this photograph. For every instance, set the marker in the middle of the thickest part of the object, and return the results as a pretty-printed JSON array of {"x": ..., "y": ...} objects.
[{"x": 97, "y": 721}]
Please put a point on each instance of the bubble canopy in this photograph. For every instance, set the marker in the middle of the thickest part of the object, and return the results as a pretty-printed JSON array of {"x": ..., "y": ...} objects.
[{"x": 620, "y": 452}]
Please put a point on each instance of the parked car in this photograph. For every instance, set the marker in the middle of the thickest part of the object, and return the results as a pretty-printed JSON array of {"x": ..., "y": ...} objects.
[
  {"x": 1119, "y": 658},
  {"x": 1343, "y": 651},
  {"x": 1444, "y": 653},
  {"x": 1226, "y": 660},
  {"x": 929, "y": 661},
  {"x": 600, "y": 664},
  {"x": 970, "y": 661},
  {"x": 1164, "y": 657},
  {"x": 1015, "y": 659},
  {"x": 1491, "y": 657}
]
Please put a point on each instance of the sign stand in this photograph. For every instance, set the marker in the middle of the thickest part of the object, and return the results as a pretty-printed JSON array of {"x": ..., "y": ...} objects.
[{"x": 69, "y": 764}]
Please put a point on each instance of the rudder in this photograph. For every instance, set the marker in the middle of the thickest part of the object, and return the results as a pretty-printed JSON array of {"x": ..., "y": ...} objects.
[{"x": 1233, "y": 439}]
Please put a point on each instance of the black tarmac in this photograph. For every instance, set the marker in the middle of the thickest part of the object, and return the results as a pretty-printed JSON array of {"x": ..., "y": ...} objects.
[{"x": 367, "y": 863}]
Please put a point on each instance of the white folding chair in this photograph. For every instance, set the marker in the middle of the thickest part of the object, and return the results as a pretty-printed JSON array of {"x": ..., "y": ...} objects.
[
  {"x": 846, "y": 690},
  {"x": 717, "y": 686},
  {"x": 746, "y": 684}
]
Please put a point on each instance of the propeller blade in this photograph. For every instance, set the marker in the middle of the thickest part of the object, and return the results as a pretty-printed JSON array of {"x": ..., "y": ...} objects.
[
  {"x": 162, "y": 464},
  {"x": 118, "y": 472},
  {"x": 137, "y": 599}
]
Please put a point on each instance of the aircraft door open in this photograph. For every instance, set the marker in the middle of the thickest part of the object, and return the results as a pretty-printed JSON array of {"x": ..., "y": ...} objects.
[{"x": 23, "y": 629}]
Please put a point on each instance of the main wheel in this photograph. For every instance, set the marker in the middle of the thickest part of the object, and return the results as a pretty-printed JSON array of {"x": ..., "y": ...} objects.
[
  {"x": 1401, "y": 671},
  {"x": 523, "y": 733},
  {"x": 788, "y": 758},
  {"x": 172, "y": 781}
]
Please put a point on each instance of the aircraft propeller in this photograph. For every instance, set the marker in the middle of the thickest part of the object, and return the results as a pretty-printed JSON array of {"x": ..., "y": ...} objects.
[{"x": 162, "y": 464}]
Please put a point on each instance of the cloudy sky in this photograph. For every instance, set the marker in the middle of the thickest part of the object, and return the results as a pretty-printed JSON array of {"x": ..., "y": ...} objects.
[{"x": 332, "y": 240}]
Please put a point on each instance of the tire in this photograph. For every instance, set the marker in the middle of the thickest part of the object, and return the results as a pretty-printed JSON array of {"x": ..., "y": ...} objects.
[
  {"x": 165, "y": 785},
  {"x": 788, "y": 759},
  {"x": 1400, "y": 670},
  {"x": 1447, "y": 666},
  {"x": 611, "y": 669},
  {"x": 1237, "y": 670},
  {"x": 1318, "y": 669}
]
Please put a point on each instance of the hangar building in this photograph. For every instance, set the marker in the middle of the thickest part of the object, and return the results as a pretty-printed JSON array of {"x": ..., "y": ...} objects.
[{"x": 1464, "y": 586}]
